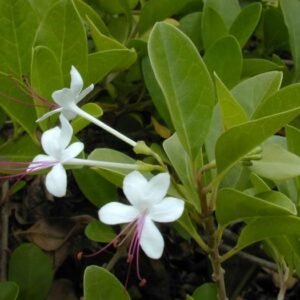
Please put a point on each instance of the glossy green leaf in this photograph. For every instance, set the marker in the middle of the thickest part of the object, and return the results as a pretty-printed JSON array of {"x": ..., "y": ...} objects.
[
  {"x": 41, "y": 6},
  {"x": 207, "y": 291},
  {"x": 104, "y": 62},
  {"x": 256, "y": 66},
  {"x": 93, "y": 109},
  {"x": 277, "y": 163},
  {"x": 99, "y": 232},
  {"x": 117, "y": 6},
  {"x": 182, "y": 165},
  {"x": 100, "y": 284},
  {"x": 228, "y": 10},
  {"x": 185, "y": 83},
  {"x": 265, "y": 227},
  {"x": 113, "y": 175},
  {"x": 246, "y": 206},
  {"x": 155, "y": 91},
  {"x": 8, "y": 290},
  {"x": 213, "y": 27},
  {"x": 232, "y": 112},
  {"x": 29, "y": 265},
  {"x": 291, "y": 11},
  {"x": 46, "y": 77},
  {"x": 252, "y": 91},
  {"x": 245, "y": 23},
  {"x": 94, "y": 187},
  {"x": 62, "y": 31},
  {"x": 293, "y": 139},
  {"x": 224, "y": 58},
  {"x": 158, "y": 10},
  {"x": 259, "y": 184}
]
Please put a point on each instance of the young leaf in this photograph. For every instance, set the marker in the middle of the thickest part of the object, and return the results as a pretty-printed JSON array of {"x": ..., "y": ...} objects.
[
  {"x": 246, "y": 22},
  {"x": 29, "y": 266},
  {"x": 99, "y": 232},
  {"x": 232, "y": 112},
  {"x": 245, "y": 206},
  {"x": 207, "y": 291},
  {"x": 224, "y": 57},
  {"x": 185, "y": 83},
  {"x": 100, "y": 284}
]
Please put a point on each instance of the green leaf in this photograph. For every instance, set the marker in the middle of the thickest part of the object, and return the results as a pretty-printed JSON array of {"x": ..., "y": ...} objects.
[
  {"x": 252, "y": 91},
  {"x": 228, "y": 10},
  {"x": 185, "y": 83},
  {"x": 104, "y": 62},
  {"x": 113, "y": 175},
  {"x": 213, "y": 27},
  {"x": 94, "y": 187},
  {"x": 62, "y": 31},
  {"x": 224, "y": 57},
  {"x": 117, "y": 6},
  {"x": 265, "y": 227},
  {"x": 158, "y": 10},
  {"x": 8, "y": 290},
  {"x": 190, "y": 25},
  {"x": 99, "y": 232},
  {"x": 28, "y": 266},
  {"x": 207, "y": 291},
  {"x": 246, "y": 22},
  {"x": 232, "y": 112},
  {"x": 293, "y": 139},
  {"x": 245, "y": 206},
  {"x": 291, "y": 11},
  {"x": 277, "y": 163},
  {"x": 100, "y": 284},
  {"x": 93, "y": 109},
  {"x": 155, "y": 91},
  {"x": 103, "y": 42},
  {"x": 46, "y": 77},
  {"x": 256, "y": 66},
  {"x": 182, "y": 165}
]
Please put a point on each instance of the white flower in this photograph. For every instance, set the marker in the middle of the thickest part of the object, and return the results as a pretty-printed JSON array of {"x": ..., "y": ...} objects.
[
  {"x": 148, "y": 205},
  {"x": 55, "y": 143},
  {"x": 67, "y": 98}
]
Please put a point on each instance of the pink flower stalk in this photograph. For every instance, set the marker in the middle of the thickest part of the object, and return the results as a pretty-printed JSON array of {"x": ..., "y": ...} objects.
[{"x": 148, "y": 205}]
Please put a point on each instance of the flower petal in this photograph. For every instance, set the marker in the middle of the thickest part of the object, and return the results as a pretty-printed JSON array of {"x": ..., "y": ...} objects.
[
  {"x": 117, "y": 213},
  {"x": 151, "y": 240},
  {"x": 85, "y": 92},
  {"x": 45, "y": 162},
  {"x": 76, "y": 81},
  {"x": 50, "y": 141},
  {"x": 168, "y": 210},
  {"x": 49, "y": 114},
  {"x": 63, "y": 97},
  {"x": 66, "y": 132},
  {"x": 157, "y": 187},
  {"x": 56, "y": 181},
  {"x": 72, "y": 151},
  {"x": 134, "y": 185}
]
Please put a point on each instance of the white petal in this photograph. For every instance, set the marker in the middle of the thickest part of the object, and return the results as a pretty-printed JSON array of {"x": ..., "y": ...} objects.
[
  {"x": 56, "y": 181},
  {"x": 85, "y": 92},
  {"x": 49, "y": 114},
  {"x": 34, "y": 166},
  {"x": 72, "y": 151},
  {"x": 117, "y": 213},
  {"x": 134, "y": 185},
  {"x": 76, "y": 81},
  {"x": 66, "y": 132},
  {"x": 50, "y": 142},
  {"x": 63, "y": 97},
  {"x": 168, "y": 210},
  {"x": 151, "y": 240},
  {"x": 69, "y": 114},
  {"x": 157, "y": 187}
]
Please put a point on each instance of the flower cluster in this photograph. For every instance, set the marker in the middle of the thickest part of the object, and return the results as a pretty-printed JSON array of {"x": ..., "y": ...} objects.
[{"x": 147, "y": 198}]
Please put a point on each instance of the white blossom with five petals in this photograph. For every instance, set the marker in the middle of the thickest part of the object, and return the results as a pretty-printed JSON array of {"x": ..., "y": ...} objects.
[
  {"x": 148, "y": 205},
  {"x": 68, "y": 98},
  {"x": 55, "y": 143}
]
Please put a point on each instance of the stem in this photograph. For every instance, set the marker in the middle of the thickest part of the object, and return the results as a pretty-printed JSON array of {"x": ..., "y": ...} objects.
[
  {"x": 213, "y": 240},
  {"x": 99, "y": 123},
  {"x": 284, "y": 273}
]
